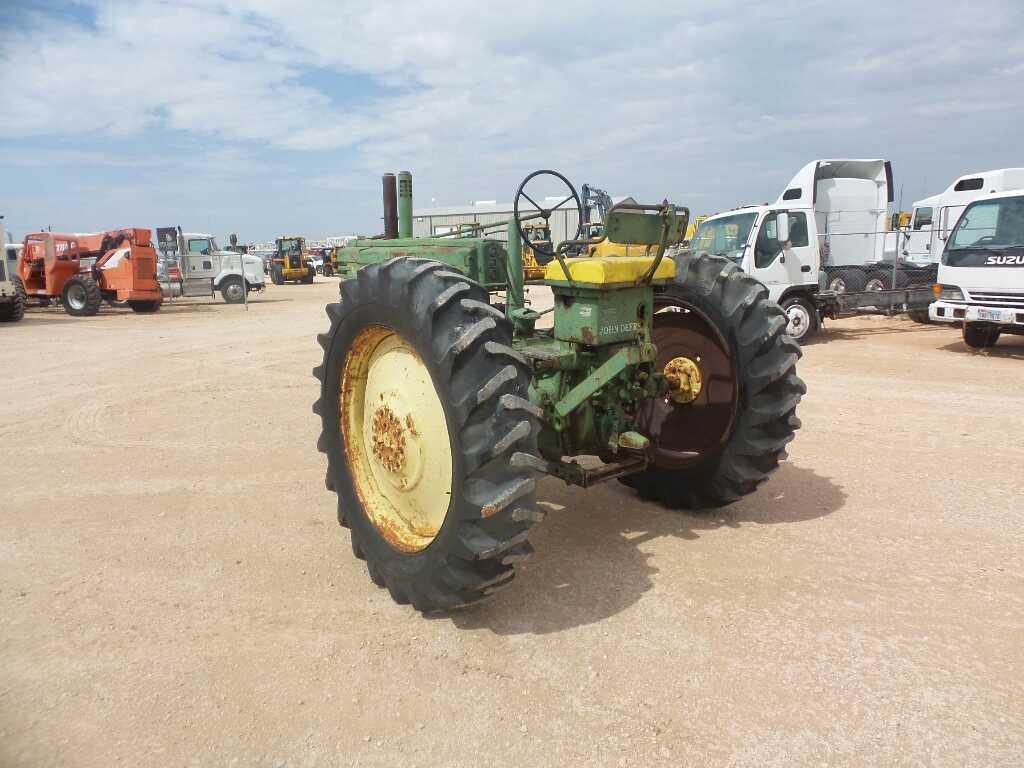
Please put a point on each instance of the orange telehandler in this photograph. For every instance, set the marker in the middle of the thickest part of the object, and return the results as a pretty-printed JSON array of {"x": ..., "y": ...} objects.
[{"x": 84, "y": 270}]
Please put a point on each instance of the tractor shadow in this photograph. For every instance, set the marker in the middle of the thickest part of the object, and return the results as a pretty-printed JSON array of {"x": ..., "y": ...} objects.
[{"x": 590, "y": 561}]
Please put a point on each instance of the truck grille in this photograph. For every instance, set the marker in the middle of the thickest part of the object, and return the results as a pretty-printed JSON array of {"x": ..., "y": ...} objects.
[{"x": 1013, "y": 299}]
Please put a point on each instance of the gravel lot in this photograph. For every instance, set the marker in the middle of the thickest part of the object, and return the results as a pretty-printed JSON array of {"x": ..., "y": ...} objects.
[{"x": 174, "y": 589}]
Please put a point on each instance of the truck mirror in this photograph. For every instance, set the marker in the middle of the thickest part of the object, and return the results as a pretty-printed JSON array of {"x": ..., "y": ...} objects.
[
  {"x": 894, "y": 222},
  {"x": 782, "y": 227}
]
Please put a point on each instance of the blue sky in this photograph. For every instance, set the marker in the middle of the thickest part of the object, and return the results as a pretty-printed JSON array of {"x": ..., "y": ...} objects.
[{"x": 266, "y": 116}]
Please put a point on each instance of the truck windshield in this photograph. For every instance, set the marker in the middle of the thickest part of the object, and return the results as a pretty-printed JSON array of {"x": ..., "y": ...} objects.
[
  {"x": 986, "y": 225},
  {"x": 725, "y": 236}
]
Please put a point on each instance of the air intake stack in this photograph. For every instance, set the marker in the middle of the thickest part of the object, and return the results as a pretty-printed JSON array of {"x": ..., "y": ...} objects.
[
  {"x": 405, "y": 204},
  {"x": 390, "y": 207}
]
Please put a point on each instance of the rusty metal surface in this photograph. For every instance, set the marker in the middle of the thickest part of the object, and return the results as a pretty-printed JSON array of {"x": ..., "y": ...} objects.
[
  {"x": 388, "y": 439},
  {"x": 684, "y": 378}
]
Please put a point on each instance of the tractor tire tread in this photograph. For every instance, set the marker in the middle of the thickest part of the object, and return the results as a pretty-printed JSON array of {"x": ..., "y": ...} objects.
[
  {"x": 770, "y": 390},
  {"x": 483, "y": 384}
]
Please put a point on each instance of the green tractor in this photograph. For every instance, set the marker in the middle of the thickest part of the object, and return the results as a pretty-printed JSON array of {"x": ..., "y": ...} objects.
[{"x": 440, "y": 407}]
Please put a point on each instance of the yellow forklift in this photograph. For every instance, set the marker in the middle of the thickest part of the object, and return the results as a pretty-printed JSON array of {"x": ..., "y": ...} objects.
[{"x": 291, "y": 262}]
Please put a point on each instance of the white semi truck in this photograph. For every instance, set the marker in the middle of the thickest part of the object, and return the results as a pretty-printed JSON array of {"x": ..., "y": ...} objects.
[
  {"x": 981, "y": 275},
  {"x": 932, "y": 217},
  {"x": 205, "y": 269},
  {"x": 824, "y": 248}
]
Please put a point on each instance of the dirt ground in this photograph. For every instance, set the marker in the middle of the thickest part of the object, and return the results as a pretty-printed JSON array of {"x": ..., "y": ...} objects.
[{"x": 175, "y": 590}]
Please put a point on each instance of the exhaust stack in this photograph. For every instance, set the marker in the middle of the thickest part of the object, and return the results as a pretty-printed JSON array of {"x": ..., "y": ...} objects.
[
  {"x": 390, "y": 207},
  {"x": 405, "y": 204}
]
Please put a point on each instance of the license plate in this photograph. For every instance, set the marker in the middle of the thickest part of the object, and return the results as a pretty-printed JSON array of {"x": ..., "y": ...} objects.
[{"x": 995, "y": 315}]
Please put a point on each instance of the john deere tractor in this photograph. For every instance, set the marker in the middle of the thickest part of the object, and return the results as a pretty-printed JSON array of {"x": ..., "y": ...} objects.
[
  {"x": 439, "y": 410},
  {"x": 291, "y": 262}
]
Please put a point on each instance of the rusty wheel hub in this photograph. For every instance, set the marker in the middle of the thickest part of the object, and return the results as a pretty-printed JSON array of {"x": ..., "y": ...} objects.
[
  {"x": 397, "y": 441},
  {"x": 684, "y": 378}
]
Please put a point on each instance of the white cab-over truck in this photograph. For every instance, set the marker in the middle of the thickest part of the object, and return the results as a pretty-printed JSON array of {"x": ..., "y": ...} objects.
[
  {"x": 981, "y": 275},
  {"x": 12, "y": 292},
  {"x": 824, "y": 248},
  {"x": 206, "y": 269}
]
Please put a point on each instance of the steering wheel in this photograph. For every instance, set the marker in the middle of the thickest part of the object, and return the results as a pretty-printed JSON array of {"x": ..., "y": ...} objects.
[{"x": 542, "y": 254}]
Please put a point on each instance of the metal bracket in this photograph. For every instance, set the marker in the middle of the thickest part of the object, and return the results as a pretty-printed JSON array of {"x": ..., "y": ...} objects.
[{"x": 576, "y": 474}]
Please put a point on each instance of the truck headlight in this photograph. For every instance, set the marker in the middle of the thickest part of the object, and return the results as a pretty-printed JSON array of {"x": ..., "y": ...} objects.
[{"x": 947, "y": 292}]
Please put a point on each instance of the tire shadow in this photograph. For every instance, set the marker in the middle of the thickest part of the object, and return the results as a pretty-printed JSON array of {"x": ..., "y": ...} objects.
[
  {"x": 1010, "y": 347},
  {"x": 591, "y": 564},
  {"x": 832, "y": 333}
]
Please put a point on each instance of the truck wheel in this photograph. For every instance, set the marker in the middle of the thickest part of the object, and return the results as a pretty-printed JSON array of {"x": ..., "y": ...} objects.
[
  {"x": 232, "y": 290},
  {"x": 422, "y": 403},
  {"x": 275, "y": 275},
  {"x": 725, "y": 442},
  {"x": 803, "y": 318},
  {"x": 980, "y": 336},
  {"x": 876, "y": 281},
  {"x": 841, "y": 280},
  {"x": 81, "y": 296},
  {"x": 145, "y": 306},
  {"x": 14, "y": 310}
]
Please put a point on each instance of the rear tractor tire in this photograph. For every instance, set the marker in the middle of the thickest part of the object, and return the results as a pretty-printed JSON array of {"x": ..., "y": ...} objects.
[
  {"x": 14, "y": 310},
  {"x": 308, "y": 277},
  {"x": 422, "y": 402},
  {"x": 145, "y": 306},
  {"x": 919, "y": 316},
  {"x": 723, "y": 444},
  {"x": 81, "y": 296}
]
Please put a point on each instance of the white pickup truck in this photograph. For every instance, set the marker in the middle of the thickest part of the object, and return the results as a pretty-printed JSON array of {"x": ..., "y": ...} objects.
[
  {"x": 981, "y": 275},
  {"x": 206, "y": 269}
]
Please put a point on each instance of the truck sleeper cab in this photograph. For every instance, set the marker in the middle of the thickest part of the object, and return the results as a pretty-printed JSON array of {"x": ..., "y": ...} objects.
[{"x": 981, "y": 275}]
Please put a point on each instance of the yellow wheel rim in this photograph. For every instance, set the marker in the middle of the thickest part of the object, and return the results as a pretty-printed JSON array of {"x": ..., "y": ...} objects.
[{"x": 396, "y": 438}]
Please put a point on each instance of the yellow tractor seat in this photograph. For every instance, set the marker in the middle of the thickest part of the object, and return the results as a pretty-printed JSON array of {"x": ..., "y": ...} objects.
[{"x": 608, "y": 270}]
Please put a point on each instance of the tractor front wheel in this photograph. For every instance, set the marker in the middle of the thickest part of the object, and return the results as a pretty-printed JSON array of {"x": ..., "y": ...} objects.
[
  {"x": 81, "y": 296},
  {"x": 275, "y": 275},
  {"x": 422, "y": 402},
  {"x": 719, "y": 438}
]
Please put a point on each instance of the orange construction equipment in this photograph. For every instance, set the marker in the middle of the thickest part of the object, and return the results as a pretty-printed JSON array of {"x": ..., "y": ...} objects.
[{"x": 84, "y": 270}]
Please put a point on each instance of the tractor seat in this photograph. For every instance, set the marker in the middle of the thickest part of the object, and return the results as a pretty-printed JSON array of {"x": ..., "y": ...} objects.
[{"x": 609, "y": 270}]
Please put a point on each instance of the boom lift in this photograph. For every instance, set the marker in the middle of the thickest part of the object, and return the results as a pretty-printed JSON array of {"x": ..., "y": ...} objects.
[{"x": 83, "y": 270}]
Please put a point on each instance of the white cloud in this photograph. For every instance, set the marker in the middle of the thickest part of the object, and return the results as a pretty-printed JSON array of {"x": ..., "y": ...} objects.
[{"x": 728, "y": 99}]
